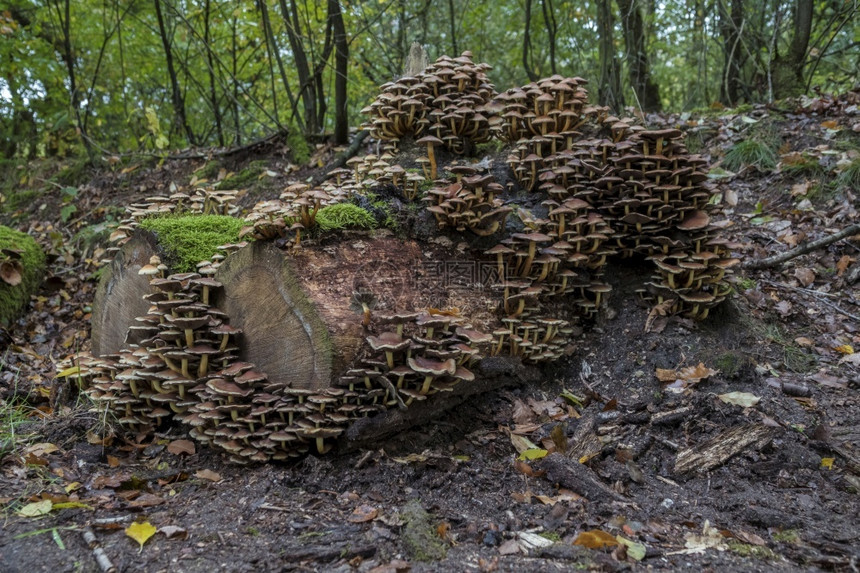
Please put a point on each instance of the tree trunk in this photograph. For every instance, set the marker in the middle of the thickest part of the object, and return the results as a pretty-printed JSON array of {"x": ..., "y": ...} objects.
[
  {"x": 213, "y": 95},
  {"x": 609, "y": 87},
  {"x": 633, "y": 23},
  {"x": 341, "y": 62},
  {"x": 295, "y": 307},
  {"x": 64, "y": 18},
  {"x": 731, "y": 27},
  {"x": 175, "y": 90},
  {"x": 528, "y": 63},
  {"x": 300, "y": 58},
  {"x": 788, "y": 70}
]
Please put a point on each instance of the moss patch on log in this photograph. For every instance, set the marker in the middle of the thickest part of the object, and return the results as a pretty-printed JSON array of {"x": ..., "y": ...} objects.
[
  {"x": 344, "y": 216},
  {"x": 420, "y": 538},
  {"x": 189, "y": 239},
  {"x": 14, "y": 298}
]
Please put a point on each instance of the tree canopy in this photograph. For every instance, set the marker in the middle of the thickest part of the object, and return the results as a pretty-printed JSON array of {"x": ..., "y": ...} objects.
[{"x": 125, "y": 75}]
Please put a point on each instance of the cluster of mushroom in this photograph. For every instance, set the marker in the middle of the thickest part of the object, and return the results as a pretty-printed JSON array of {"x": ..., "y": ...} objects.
[
  {"x": 447, "y": 102},
  {"x": 468, "y": 201},
  {"x": 292, "y": 213},
  {"x": 172, "y": 350},
  {"x": 372, "y": 170},
  {"x": 204, "y": 201},
  {"x": 537, "y": 339},
  {"x": 420, "y": 355}
]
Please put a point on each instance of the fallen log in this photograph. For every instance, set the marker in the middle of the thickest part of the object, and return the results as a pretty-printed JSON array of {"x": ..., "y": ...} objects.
[{"x": 719, "y": 449}]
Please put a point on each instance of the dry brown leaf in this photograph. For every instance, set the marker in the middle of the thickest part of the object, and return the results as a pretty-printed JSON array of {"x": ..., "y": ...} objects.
[
  {"x": 363, "y": 514},
  {"x": 208, "y": 475},
  {"x": 522, "y": 413},
  {"x": 10, "y": 272},
  {"x": 804, "y": 275},
  {"x": 173, "y": 531},
  {"x": 595, "y": 539},
  {"x": 842, "y": 265},
  {"x": 178, "y": 447},
  {"x": 690, "y": 374}
]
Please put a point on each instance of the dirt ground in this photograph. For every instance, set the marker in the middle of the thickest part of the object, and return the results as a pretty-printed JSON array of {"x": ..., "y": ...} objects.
[{"x": 450, "y": 495}]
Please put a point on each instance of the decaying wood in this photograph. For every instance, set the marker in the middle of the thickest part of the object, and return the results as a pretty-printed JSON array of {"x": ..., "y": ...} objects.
[
  {"x": 802, "y": 249},
  {"x": 584, "y": 442},
  {"x": 101, "y": 557},
  {"x": 118, "y": 299},
  {"x": 493, "y": 373},
  {"x": 719, "y": 449},
  {"x": 578, "y": 478}
]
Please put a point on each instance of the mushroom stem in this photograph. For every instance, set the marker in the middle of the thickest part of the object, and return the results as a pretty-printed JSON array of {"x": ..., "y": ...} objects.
[
  {"x": 189, "y": 337},
  {"x": 204, "y": 366},
  {"x": 366, "y": 311},
  {"x": 527, "y": 265},
  {"x": 432, "y": 157},
  {"x": 425, "y": 387}
]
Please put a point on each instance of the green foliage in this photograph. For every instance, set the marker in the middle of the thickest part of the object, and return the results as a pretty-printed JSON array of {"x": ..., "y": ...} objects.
[
  {"x": 189, "y": 239},
  {"x": 804, "y": 166},
  {"x": 750, "y": 152},
  {"x": 343, "y": 216},
  {"x": 299, "y": 148},
  {"x": 849, "y": 177},
  {"x": 14, "y": 298}
]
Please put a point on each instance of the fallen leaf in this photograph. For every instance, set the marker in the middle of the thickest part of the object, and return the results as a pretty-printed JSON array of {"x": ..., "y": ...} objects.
[
  {"x": 521, "y": 443},
  {"x": 533, "y": 454},
  {"x": 208, "y": 475},
  {"x": 559, "y": 438},
  {"x": 744, "y": 399},
  {"x": 689, "y": 375},
  {"x": 41, "y": 449},
  {"x": 634, "y": 550},
  {"x": 827, "y": 380},
  {"x": 10, "y": 272},
  {"x": 443, "y": 529},
  {"x": 804, "y": 275},
  {"x": 750, "y": 538},
  {"x": 595, "y": 539},
  {"x": 522, "y": 413},
  {"x": 731, "y": 197},
  {"x": 178, "y": 447},
  {"x": 173, "y": 531},
  {"x": 842, "y": 265},
  {"x": 509, "y": 547},
  {"x": 140, "y": 531},
  {"x": 37, "y": 508},
  {"x": 827, "y": 463},
  {"x": 710, "y": 538},
  {"x": 363, "y": 514},
  {"x": 530, "y": 541},
  {"x": 804, "y": 341},
  {"x": 146, "y": 500},
  {"x": 113, "y": 461},
  {"x": 845, "y": 349}
]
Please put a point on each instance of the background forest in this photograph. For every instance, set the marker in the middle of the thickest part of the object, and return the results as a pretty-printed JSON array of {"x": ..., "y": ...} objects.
[{"x": 127, "y": 75}]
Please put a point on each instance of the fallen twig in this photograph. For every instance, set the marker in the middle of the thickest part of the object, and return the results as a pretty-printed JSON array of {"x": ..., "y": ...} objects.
[
  {"x": 718, "y": 450},
  {"x": 802, "y": 249},
  {"x": 341, "y": 159},
  {"x": 101, "y": 557},
  {"x": 816, "y": 295}
]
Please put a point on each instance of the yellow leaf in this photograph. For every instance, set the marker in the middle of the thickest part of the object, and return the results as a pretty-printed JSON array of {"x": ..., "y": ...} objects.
[
  {"x": 521, "y": 443},
  {"x": 72, "y": 505},
  {"x": 845, "y": 349},
  {"x": 532, "y": 454},
  {"x": 140, "y": 531},
  {"x": 69, "y": 372},
  {"x": 37, "y": 508},
  {"x": 73, "y": 486},
  {"x": 595, "y": 539},
  {"x": 827, "y": 463},
  {"x": 634, "y": 550}
]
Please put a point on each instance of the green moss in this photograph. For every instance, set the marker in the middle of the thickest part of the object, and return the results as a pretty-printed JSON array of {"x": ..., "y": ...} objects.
[
  {"x": 245, "y": 178},
  {"x": 343, "y": 216},
  {"x": 419, "y": 534},
  {"x": 747, "y": 550},
  {"x": 750, "y": 152},
  {"x": 14, "y": 298},
  {"x": 787, "y": 536},
  {"x": 299, "y": 148},
  {"x": 729, "y": 364},
  {"x": 187, "y": 240}
]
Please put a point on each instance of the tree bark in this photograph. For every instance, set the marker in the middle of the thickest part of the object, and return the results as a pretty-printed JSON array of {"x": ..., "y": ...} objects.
[
  {"x": 609, "y": 87},
  {"x": 638, "y": 64},
  {"x": 175, "y": 90},
  {"x": 731, "y": 23},
  {"x": 341, "y": 63},
  {"x": 528, "y": 63},
  {"x": 213, "y": 95},
  {"x": 306, "y": 84}
]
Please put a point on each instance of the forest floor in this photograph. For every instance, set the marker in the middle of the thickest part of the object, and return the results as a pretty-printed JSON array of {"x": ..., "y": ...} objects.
[{"x": 776, "y": 485}]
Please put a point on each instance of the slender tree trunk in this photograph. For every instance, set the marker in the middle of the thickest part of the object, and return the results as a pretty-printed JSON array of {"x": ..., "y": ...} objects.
[
  {"x": 609, "y": 89},
  {"x": 633, "y": 23},
  {"x": 64, "y": 18},
  {"x": 306, "y": 89},
  {"x": 551, "y": 30},
  {"x": 528, "y": 63},
  {"x": 213, "y": 95},
  {"x": 453, "y": 21},
  {"x": 175, "y": 90},
  {"x": 272, "y": 47},
  {"x": 234, "y": 46},
  {"x": 341, "y": 62},
  {"x": 731, "y": 23}
]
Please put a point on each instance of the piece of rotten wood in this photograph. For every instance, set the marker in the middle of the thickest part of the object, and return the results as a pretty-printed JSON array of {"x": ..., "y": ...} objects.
[
  {"x": 719, "y": 449},
  {"x": 569, "y": 473},
  {"x": 99, "y": 554},
  {"x": 492, "y": 373}
]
